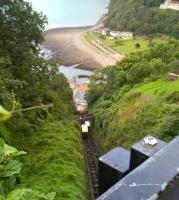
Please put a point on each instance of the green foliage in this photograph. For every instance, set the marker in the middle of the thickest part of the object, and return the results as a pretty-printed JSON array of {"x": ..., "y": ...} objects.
[
  {"x": 134, "y": 69},
  {"x": 127, "y": 46},
  {"x": 118, "y": 42},
  {"x": 142, "y": 17},
  {"x": 170, "y": 126},
  {"x": 23, "y": 70},
  {"x": 173, "y": 97},
  {"x": 54, "y": 161},
  {"x": 9, "y": 167},
  {"x": 27, "y": 79},
  {"x": 4, "y": 115},
  {"x": 137, "y": 99},
  {"x": 137, "y": 45},
  {"x": 4, "y": 133},
  {"x": 27, "y": 194}
]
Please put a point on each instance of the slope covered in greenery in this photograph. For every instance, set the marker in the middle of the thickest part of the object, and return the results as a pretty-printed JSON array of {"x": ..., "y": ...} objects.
[
  {"x": 50, "y": 136},
  {"x": 54, "y": 161},
  {"x": 137, "y": 98},
  {"x": 142, "y": 17}
]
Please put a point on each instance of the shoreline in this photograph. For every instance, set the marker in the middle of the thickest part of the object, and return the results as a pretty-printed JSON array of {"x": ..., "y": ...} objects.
[
  {"x": 67, "y": 28},
  {"x": 70, "y": 45}
]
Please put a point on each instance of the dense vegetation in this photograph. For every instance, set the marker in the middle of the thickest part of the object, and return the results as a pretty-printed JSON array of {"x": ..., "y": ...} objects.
[
  {"x": 135, "y": 97},
  {"x": 54, "y": 161},
  {"x": 49, "y": 136},
  {"x": 142, "y": 17}
]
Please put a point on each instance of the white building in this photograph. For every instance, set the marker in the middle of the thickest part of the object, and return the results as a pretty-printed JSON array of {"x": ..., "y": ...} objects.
[
  {"x": 170, "y": 4},
  {"x": 122, "y": 35},
  {"x": 103, "y": 31},
  {"x": 115, "y": 33}
]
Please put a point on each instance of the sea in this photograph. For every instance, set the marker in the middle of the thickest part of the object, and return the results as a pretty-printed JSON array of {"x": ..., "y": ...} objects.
[
  {"x": 70, "y": 13},
  {"x": 71, "y": 71}
]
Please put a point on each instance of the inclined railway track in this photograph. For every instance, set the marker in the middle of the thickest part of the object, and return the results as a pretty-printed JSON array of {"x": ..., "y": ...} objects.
[{"x": 92, "y": 154}]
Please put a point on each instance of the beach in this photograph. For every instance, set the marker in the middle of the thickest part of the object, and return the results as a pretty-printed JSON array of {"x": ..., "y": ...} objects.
[{"x": 70, "y": 45}]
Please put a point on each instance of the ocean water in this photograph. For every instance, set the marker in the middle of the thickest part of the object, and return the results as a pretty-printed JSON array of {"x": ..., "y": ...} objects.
[
  {"x": 71, "y": 13},
  {"x": 69, "y": 72}
]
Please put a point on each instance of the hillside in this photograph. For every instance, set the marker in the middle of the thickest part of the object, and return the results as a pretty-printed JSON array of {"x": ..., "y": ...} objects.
[
  {"x": 50, "y": 136},
  {"x": 142, "y": 17},
  {"x": 54, "y": 161},
  {"x": 136, "y": 98}
]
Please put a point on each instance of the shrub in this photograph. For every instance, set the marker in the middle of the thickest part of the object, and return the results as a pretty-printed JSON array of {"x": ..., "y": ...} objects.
[
  {"x": 137, "y": 45},
  {"x": 170, "y": 126},
  {"x": 173, "y": 97}
]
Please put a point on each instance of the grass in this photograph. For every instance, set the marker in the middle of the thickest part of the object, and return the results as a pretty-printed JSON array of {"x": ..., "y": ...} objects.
[
  {"x": 89, "y": 37},
  {"x": 141, "y": 111},
  {"x": 144, "y": 114},
  {"x": 129, "y": 111},
  {"x": 54, "y": 162},
  {"x": 128, "y": 46},
  {"x": 158, "y": 87}
]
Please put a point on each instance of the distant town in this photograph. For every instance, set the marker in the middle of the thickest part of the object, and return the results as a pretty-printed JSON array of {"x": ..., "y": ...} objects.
[{"x": 79, "y": 92}]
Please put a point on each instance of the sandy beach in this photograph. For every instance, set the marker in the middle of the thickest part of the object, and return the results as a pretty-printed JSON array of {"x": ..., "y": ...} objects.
[{"x": 70, "y": 45}]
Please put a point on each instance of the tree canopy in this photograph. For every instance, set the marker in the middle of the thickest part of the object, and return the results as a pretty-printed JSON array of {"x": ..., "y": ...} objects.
[
  {"x": 50, "y": 136},
  {"x": 24, "y": 71},
  {"x": 136, "y": 97},
  {"x": 142, "y": 17}
]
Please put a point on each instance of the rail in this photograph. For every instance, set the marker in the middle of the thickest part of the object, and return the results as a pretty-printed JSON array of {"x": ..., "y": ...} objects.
[{"x": 92, "y": 153}]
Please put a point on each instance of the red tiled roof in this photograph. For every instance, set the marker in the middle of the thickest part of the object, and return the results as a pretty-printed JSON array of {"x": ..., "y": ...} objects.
[{"x": 83, "y": 87}]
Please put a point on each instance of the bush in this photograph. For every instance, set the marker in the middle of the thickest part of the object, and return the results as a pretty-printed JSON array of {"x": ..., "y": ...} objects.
[
  {"x": 173, "y": 97},
  {"x": 137, "y": 45},
  {"x": 170, "y": 126},
  {"x": 118, "y": 42}
]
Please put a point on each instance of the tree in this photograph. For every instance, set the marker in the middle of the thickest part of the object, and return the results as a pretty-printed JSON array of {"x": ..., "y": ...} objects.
[
  {"x": 23, "y": 70},
  {"x": 142, "y": 17},
  {"x": 20, "y": 37}
]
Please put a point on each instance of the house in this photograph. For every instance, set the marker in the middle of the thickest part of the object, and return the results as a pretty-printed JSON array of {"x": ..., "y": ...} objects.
[
  {"x": 122, "y": 34},
  {"x": 115, "y": 34},
  {"x": 103, "y": 31},
  {"x": 79, "y": 96},
  {"x": 170, "y": 4},
  {"x": 83, "y": 88},
  {"x": 127, "y": 35}
]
